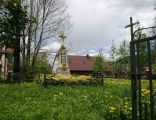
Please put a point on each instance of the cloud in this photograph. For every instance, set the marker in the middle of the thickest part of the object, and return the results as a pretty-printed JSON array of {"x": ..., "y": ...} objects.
[
  {"x": 97, "y": 22},
  {"x": 52, "y": 46},
  {"x": 93, "y": 52}
]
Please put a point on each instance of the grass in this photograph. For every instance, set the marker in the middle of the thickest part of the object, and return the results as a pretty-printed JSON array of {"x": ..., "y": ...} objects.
[{"x": 31, "y": 101}]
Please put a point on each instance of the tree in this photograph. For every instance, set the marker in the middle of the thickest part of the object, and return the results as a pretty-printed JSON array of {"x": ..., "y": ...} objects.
[
  {"x": 48, "y": 19},
  {"x": 113, "y": 52},
  {"x": 123, "y": 60},
  {"x": 113, "y": 57},
  {"x": 119, "y": 58},
  {"x": 43, "y": 20},
  {"x": 42, "y": 63},
  {"x": 13, "y": 20},
  {"x": 142, "y": 50},
  {"x": 154, "y": 45},
  {"x": 99, "y": 63}
]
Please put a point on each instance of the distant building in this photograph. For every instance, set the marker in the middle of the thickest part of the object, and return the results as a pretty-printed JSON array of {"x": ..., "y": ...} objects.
[
  {"x": 6, "y": 60},
  {"x": 43, "y": 56},
  {"x": 80, "y": 65}
]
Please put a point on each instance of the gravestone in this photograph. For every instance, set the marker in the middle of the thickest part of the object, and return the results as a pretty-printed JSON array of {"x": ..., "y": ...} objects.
[{"x": 62, "y": 69}]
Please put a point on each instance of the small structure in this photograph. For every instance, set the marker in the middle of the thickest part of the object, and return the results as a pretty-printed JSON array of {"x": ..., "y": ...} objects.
[
  {"x": 6, "y": 60},
  {"x": 62, "y": 69},
  {"x": 81, "y": 65}
]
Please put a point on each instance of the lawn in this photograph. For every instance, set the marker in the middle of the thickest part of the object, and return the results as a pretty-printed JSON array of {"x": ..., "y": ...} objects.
[{"x": 31, "y": 101}]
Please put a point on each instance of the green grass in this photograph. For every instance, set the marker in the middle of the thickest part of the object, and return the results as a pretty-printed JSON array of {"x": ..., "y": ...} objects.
[{"x": 31, "y": 101}]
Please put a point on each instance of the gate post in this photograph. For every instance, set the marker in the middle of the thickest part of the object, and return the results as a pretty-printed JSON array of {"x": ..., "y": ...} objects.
[
  {"x": 133, "y": 71},
  {"x": 150, "y": 79}
]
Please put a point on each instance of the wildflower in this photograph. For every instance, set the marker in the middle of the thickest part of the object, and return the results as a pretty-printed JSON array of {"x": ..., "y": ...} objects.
[
  {"x": 130, "y": 108},
  {"x": 112, "y": 109},
  {"x": 60, "y": 93},
  {"x": 145, "y": 92},
  {"x": 54, "y": 95},
  {"x": 126, "y": 106},
  {"x": 54, "y": 99},
  {"x": 126, "y": 103},
  {"x": 102, "y": 103}
]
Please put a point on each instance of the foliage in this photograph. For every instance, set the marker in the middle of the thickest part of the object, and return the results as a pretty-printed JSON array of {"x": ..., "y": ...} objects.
[
  {"x": 2, "y": 79},
  {"x": 142, "y": 48},
  {"x": 123, "y": 60},
  {"x": 32, "y": 101},
  {"x": 153, "y": 52},
  {"x": 26, "y": 25},
  {"x": 70, "y": 80},
  {"x": 73, "y": 78},
  {"x": 120, "y": 58},
  {"x": 113, "y": 52},
  {"x": 99, "y": 63},
  {"x": 42, "y": 65},
  {"x": 13, "y": 19}
]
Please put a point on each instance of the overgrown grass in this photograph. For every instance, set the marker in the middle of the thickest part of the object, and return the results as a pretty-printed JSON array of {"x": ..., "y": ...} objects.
[{"x": 31, "y": 101}]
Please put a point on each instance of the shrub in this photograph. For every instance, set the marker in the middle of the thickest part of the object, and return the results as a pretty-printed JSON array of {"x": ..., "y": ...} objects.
[{"x": 74, "y": 80}]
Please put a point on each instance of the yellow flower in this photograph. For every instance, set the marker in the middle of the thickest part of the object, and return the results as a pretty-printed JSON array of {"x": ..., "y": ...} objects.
[
  {"x": 126, "y": 106},
  {"x": 54, "y": 95},
  {"x": 126, "y": 103},
  {"x": 145, "y": 92},
  {"x": 130, "y": 108},
  {"x": 60, "y": 93},
  {"x": 112, "y": 109}
]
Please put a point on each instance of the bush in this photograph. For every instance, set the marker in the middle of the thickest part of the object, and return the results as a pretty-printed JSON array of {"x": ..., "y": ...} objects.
[
  {"x": 3, "y": 79},
  {"x": 71, "y": 80}
]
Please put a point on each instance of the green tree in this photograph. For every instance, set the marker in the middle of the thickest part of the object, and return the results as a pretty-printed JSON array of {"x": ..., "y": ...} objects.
[
  {"x": 113, "y": 52},
  {"x": 142, "y": 50},
  {"x": 154, "y": 45},
  {"x": 154, "y": 55},
  {"x": 99, "y": 63},
  {"x": 13, "y": 19},
  {"x": 113, "y": 57},
  {"x": 123, "y": 60}
]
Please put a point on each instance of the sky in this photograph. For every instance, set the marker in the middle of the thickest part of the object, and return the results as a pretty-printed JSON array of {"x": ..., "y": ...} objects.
[{"x": 97, "y": 22}]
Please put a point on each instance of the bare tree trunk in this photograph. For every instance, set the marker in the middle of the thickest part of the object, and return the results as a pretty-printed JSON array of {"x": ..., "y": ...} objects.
[
  {"x": 29, "y": 35},
  {"x": 23, "y": 52},
  {"x": 47, "y": 18}
]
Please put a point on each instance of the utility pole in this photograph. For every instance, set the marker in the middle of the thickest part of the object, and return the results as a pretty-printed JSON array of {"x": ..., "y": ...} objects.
[{"x": 133, "y": 70}]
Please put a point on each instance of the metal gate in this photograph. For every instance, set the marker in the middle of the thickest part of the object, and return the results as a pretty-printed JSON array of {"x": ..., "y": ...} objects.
[{"x": 141, "y": 110}]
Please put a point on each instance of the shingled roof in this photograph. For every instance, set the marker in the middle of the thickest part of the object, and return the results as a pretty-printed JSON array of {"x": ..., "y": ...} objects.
[{"x": 80, "y": 63}]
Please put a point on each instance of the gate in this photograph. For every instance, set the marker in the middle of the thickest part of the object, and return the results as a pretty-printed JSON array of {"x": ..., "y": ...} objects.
[{"x": 140, "y": 109}]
